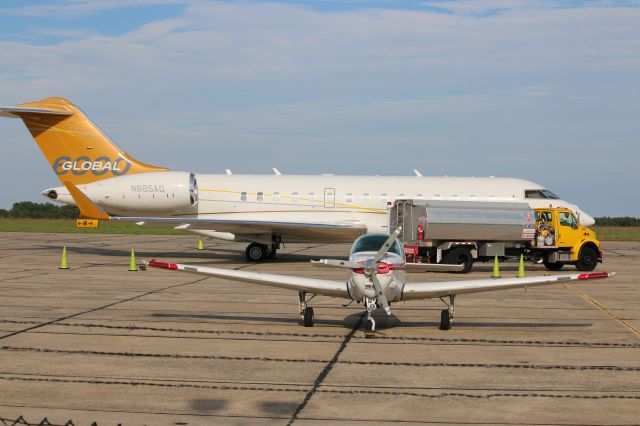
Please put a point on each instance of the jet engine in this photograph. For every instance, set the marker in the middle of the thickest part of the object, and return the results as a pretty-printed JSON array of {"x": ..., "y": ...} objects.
[{"x": 157, "y": 193}]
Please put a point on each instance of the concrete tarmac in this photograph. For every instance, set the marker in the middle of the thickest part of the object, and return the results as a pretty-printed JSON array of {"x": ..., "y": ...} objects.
[{"x": 100, "y": 343}]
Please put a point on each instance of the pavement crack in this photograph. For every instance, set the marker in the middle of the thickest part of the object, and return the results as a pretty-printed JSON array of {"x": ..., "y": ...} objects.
[
  {"x": 325, "y": 371},
  {"x": 98, "y": 308}
]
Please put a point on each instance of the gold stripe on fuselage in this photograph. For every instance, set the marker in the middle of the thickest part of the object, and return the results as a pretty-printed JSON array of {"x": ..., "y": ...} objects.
[{"x": 269, "y": 194}]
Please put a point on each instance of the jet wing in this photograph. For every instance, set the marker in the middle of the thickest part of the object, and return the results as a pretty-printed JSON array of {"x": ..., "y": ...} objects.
[
  {"x": 452, "y": 288},
  {"x": 308, "y": 285},
  {"x": 291, "y": 230}
]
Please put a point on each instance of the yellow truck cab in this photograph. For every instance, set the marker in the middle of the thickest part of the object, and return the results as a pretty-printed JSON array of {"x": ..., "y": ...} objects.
[{"x": 561, "y": 240}]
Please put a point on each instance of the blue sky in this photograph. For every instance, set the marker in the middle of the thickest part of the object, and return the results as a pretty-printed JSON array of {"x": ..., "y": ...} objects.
[{"x": 543, "y": 90}]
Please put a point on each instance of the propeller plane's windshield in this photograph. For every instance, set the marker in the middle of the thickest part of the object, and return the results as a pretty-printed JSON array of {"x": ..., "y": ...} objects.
[{"x": 373, "y": 243}]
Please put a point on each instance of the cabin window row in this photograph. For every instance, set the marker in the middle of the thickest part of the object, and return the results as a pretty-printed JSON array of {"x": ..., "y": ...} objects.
[{"x": 311, "y": 197}]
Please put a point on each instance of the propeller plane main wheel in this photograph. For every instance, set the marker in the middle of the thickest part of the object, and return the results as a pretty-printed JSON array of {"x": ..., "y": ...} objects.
[
  {"x": 307, "y": 317},
  {"x": 445, "y": 319}
]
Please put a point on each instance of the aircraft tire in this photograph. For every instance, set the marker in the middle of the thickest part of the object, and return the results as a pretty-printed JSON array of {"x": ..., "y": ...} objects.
[
  {"x": 307, "y": 321},
  {"x": 256, "y": 252},
  {"x": 587, "y": 259},
  {"x": 445, "y": 320}
]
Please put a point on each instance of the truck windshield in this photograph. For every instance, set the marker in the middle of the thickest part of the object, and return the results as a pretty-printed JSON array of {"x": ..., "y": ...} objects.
[
  {"x": 568, "y": 219},
  {"x": 373, "y": 243},
  {"x": 540, "y": 193}
]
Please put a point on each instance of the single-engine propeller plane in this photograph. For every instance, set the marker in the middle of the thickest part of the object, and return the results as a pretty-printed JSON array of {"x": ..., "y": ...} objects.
[{"x": 377, "y": 278}]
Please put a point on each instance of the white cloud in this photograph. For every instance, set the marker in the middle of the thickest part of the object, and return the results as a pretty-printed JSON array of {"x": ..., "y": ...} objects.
[{"x": 76, "y": 8}]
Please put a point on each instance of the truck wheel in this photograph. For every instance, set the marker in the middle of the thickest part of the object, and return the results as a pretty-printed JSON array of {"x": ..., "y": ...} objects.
[
  {"x": 587, "y": 259},
  {"x": 457, "y": 256},
  {"x": 552, "y": 266}
]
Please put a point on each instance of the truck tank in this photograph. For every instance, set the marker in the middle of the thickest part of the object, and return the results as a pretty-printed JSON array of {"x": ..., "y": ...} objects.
[{"x": 462, "y": 220}]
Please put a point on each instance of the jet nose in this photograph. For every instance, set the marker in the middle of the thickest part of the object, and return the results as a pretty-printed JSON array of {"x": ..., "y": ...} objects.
[{"x": 586, "y": 220}]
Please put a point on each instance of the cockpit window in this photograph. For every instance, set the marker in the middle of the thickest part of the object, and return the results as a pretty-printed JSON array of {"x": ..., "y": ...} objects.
[
  {"x": 374, "y": 242},
  {"x": 540, "y": 193}
]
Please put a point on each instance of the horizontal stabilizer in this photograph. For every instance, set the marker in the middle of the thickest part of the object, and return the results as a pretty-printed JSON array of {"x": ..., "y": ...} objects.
[{"x": 17, "y": 112}]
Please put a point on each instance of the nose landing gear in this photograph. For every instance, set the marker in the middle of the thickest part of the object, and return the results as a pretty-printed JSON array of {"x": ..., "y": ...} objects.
[{"x": 371, "y": 306}]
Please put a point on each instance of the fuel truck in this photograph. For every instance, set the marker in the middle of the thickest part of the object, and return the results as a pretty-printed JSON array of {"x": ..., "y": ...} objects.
[{"x": 463, "y": 232}]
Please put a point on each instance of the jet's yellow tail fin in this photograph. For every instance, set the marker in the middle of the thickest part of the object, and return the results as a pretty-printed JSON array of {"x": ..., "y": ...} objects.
[{"x": 77, "y": 150}]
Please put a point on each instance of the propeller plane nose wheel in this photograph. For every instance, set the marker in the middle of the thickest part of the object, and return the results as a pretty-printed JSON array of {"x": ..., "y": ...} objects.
[{"x": 371, "y": 306}]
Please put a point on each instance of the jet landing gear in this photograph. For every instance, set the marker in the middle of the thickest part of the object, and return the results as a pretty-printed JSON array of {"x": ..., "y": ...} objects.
[
  {"x": 446, "y": 315},
  {"x": 371, "y": 306},
  {"x": 256, "y": 252},
  {"x": 306, "y": 312}
]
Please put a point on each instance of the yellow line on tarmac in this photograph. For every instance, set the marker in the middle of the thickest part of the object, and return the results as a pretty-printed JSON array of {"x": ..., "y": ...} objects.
[{"x": 604, "y": 309}]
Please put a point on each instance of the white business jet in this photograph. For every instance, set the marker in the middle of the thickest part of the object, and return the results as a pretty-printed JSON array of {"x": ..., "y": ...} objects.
[
  {"x": 263, "y": 210},
  {"x": 376, "y": 279}
]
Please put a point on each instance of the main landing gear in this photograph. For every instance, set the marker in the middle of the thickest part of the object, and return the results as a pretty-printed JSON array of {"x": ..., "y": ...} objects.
[
  {"x": 446, "y": 315},
  {"x": 256, "y": 252},
  {"x": 306, "y": 312}
]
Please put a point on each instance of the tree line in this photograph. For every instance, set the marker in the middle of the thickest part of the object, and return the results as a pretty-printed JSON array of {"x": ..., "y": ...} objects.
[
  {"x": 618, "y": 221},
  {"x": 28, "y": 209},
  {"x": 31, "y": 210}
]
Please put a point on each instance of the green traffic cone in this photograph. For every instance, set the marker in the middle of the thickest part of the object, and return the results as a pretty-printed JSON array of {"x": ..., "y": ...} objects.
[
  {"x": 521, "y": 267},
  {"x": 63, "y": 261},
  {"x": 496, "y": 268},
  {"x": 132, "y": 264},
  {"x": 200, "y": 245}
]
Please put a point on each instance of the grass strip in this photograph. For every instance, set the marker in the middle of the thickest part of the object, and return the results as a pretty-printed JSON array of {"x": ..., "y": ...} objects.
[{"x": 69, "y": 226}]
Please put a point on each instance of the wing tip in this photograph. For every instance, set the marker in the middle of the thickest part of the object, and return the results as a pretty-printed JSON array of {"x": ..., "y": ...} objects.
[
  {"x": 164, "y": 265},
  {"x": 595, "y": 275}
]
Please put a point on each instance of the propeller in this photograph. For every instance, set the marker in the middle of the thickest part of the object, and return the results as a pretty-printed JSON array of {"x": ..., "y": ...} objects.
[{"x": 371, "y": 269}]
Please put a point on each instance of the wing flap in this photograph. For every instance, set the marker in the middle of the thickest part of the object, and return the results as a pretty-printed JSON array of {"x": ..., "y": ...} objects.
[
  {"x": 308, "y": 285},
  {"x": 449, "y": 288}
]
